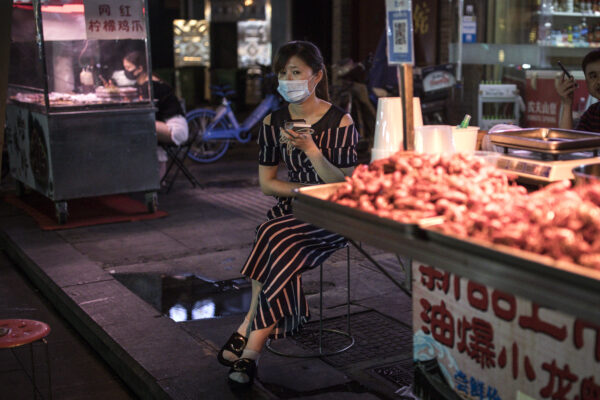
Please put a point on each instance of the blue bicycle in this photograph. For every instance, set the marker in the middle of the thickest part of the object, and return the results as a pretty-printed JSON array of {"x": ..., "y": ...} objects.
[{"x": 214, "y": 129}]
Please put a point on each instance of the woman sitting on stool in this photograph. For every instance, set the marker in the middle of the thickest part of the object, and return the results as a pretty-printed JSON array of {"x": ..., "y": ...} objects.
[{"x": 285, "y": 247}]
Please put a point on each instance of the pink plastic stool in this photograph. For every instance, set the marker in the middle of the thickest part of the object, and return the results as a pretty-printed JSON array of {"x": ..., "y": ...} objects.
[{"x": 19, "y": 332}]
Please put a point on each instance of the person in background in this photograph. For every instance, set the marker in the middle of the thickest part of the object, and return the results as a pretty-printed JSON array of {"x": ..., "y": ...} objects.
[
  {"x": 171, "y": 125},
  {"x": 285, "y": 247},
  {"x": 590, "y": 119}
]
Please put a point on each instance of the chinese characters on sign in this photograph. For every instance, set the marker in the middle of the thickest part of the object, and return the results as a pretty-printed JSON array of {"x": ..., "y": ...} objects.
[
  {"x": 115, "y": 19},
  {"x": 538, "y": 111},
  {"x": 491, "y": 344},
  {"x": 543, "y": 102}
]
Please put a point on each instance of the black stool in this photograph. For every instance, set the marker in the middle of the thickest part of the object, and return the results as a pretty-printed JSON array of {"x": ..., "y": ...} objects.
[
  {"x": 174, "y": 151},
  {"x": 346, "y": 334}
]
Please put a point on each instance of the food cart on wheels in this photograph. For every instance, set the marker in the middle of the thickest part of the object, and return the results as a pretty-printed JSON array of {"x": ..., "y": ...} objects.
[
  {"x": 76, "y": 126},
  {"x": 489, "y": 321}
]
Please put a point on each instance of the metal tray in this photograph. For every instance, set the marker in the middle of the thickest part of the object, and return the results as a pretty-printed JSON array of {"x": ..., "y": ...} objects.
[
  {"x": 547, "y": 140},
  {"x": 505, "y": 254},
  {"x": 317, "y": 195}
]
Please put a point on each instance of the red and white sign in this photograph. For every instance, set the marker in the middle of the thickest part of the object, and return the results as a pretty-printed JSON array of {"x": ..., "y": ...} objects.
[
  {"x": 115, "y": 19},
  {"x": 438, "y": 80},
  {"x": 494, "y": 345},
  {"x": 543, "y": 102}
]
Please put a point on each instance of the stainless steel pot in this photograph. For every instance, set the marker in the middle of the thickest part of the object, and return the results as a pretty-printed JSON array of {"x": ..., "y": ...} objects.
[{"x": 586, "y": 173}]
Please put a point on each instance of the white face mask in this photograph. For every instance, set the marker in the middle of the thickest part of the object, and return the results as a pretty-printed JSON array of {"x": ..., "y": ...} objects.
[{"x": 295, "y": 91}]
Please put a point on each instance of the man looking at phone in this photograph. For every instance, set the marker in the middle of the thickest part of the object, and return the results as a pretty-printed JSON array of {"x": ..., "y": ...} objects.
[{"x": 590, "y": 119}]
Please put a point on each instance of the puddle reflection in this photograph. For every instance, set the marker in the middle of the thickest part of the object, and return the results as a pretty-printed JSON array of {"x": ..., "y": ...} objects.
[{"x": 186, "y": 297}]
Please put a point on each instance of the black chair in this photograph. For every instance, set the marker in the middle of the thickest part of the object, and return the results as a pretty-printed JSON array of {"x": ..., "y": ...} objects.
[{"x": 177, "y": 155}]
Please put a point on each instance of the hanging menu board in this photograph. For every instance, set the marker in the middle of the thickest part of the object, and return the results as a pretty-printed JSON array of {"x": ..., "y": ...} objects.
[{"x": 114, "y": 19}]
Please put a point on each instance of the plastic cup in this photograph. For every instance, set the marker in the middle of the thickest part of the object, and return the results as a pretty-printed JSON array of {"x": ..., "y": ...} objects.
[
  {"x": 389, "y": 131},
  {"x": 465, "y": 139},
  {"x": 434, "y": 139}
]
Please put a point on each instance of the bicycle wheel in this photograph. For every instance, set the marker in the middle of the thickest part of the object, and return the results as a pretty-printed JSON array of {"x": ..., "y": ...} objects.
[{"x": 205, "y": 151}]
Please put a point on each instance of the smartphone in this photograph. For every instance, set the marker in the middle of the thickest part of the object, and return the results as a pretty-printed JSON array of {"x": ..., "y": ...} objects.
[
  {"x": 564, "y": 70},
  {"x": 567, "y": 74},
  {"x": 296, "y": 124}
]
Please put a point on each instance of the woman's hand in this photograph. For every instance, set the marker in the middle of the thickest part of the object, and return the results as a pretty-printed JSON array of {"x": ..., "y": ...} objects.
[
  {"x": 301, "y": 141},
  {"x": 566, "y": 89}
]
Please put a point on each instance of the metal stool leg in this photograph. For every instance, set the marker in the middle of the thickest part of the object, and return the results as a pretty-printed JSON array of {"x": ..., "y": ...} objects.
[
  {"x": 36, "y": 391},
  {"x": 348, "y": 289},
  {"x": 48, "y": 366},
  {"x": 346, "y": 334},
  {"x": 32, "y": 371}
]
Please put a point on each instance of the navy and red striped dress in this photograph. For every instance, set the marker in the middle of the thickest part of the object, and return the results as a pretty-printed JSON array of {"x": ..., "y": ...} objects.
[{"x": 284, "y": 247}]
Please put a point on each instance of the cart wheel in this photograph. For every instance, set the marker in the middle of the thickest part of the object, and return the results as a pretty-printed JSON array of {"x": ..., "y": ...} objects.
[
  {"x": 62, "y": 212},
  {"x": 152, "y": 202},
  {"x": 19, "y": 188}
]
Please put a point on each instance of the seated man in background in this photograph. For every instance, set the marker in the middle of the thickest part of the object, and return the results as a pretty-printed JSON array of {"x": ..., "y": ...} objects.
[{"x": 590, "y": 119}]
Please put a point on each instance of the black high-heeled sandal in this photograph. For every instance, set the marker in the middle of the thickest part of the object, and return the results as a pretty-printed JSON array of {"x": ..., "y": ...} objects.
[
  {"x": 244, "y": 366},
  {"x": 236, "y": 345}
]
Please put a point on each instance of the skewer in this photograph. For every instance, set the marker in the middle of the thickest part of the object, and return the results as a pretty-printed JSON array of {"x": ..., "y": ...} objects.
[{"x": 104, "y": 82}]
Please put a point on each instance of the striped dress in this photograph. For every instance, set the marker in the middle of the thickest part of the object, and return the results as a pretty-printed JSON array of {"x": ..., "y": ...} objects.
[{"x": 284, "y": 247}]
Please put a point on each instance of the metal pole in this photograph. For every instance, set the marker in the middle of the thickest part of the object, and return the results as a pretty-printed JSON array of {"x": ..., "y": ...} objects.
[
  {"x": 348, "y": 289},
  {"x": 459, "y": 46},
  {"x": 321, "y": 309},
  {"x": 5, "y": 20}
]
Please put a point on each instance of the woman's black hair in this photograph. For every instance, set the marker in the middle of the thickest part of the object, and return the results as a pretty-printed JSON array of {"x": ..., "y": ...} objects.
[
  {"x": 137, "y": 58},
  {"x": 311, "y": 55}
]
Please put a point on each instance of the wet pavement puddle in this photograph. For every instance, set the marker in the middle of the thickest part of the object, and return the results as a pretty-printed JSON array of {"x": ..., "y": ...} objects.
[{"x": 186, "y": 297}]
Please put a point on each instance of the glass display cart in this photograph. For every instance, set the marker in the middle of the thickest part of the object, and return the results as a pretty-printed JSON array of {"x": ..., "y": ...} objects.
[{"x": 76, "y": 126}]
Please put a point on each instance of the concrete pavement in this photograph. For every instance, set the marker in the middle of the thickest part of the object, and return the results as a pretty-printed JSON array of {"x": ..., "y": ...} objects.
[{"x": 208, "y": 234}]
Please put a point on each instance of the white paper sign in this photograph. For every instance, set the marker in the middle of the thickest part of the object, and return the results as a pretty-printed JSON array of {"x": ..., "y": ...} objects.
[
  {"x": 115, "y": 19},
  {"x": 493, "y": 345}
]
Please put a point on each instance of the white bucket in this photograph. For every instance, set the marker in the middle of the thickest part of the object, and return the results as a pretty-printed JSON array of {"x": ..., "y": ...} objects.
[{"x": 465, "y": 139}]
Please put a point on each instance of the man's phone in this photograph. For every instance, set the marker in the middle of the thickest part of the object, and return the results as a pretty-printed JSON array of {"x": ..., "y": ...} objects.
[
  {"x": 564, "y": 70},
  {"x": 567, "y": 74}
]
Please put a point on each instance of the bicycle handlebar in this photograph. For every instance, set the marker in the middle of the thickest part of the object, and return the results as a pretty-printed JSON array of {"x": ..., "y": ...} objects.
[{"x": 222, "y": 90}]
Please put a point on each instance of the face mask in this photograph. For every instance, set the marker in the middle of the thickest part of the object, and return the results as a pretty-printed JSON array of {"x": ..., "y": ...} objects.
[
  {"x": 294, "y": 91},
  {"x": 130, "y": 75}
]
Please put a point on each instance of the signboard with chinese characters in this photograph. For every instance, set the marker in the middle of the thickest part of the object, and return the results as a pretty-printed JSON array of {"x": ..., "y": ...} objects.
[
  {"x": 399, "y": 32},
  {"x": 543, "y": 102},
  {"x": 254, "y": 43},
  {"x": 425, "y": 19},
  {"x": 494, "y": 345},
  {"x": 115, "y": 19},
  {"x": 236, "y": 10}
]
